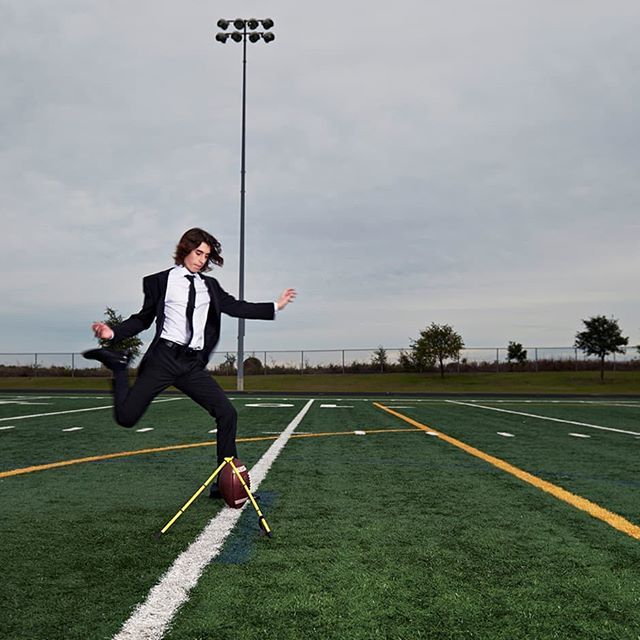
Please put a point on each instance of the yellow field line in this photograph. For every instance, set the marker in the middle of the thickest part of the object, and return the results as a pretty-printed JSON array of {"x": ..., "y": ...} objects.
[
  {"x": 612, "y": 519},
  {"x": 138, "y": 452}
]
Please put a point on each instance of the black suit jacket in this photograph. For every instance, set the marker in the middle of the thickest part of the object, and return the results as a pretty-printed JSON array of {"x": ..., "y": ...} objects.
[{"x": 155, "y": 289}]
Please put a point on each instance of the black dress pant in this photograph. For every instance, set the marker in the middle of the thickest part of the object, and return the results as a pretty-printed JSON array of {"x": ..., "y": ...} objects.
[{"x": 182, "y": 368}]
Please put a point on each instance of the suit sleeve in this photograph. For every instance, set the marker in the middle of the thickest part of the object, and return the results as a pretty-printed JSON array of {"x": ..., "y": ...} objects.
[
  {"x": 138, "y": 321},
  {"x": 242, "y": 309}
]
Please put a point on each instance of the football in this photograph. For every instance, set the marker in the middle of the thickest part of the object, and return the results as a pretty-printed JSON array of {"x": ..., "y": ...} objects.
[{"x": 230, "y": 486}]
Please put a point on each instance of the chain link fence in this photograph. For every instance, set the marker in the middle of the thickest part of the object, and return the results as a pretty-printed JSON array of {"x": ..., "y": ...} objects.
[{"x": 338, "y": 361}]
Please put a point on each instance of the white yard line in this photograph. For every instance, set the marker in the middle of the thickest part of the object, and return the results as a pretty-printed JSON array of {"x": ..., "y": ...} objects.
[
  {"x": 269, "y": 405},
  {"x": 150, "y": 619},
  {"x": 601, "y": 403},
  {"x": 61, "y": 413},
  {"x": 533, "y": 415}
]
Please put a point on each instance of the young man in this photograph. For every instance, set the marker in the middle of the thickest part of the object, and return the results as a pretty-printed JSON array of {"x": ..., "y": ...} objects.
[{"x": 186, "y": 306}]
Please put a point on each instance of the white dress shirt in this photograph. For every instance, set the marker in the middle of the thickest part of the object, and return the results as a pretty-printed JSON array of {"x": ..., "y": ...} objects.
[{"x": 175, "y": 308}]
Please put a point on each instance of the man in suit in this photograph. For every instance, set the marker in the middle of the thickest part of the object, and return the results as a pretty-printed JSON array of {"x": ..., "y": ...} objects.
[{"x": 186, "y": 306}]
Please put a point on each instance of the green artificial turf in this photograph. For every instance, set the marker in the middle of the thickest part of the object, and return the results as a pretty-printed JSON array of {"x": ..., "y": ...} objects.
[
  {"x": 384, "y": 535},
  {"x": 407, "y": 537}
]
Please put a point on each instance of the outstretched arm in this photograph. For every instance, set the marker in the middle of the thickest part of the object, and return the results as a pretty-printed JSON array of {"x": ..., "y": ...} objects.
[
  {"x": 252, "y": 310},
  {"x": 287, "y": 296}
]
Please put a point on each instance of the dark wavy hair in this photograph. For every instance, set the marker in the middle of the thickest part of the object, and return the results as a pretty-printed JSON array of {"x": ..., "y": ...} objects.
[{"x": 191, "y": 240}]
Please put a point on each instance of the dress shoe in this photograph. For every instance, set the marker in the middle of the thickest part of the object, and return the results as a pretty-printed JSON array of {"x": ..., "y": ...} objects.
[{"x": 114, "y": 360}]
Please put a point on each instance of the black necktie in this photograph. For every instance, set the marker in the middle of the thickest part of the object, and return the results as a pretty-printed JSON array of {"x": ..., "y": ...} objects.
[{"x": 191, "y": 305}]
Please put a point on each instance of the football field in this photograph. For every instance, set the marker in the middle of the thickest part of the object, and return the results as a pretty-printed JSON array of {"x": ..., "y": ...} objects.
[{"x": 393, "y": 518}]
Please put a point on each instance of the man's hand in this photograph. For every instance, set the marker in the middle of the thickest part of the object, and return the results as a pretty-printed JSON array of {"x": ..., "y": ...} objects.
[
  {"x": 102, "y": 331},
  {"x": 287, "y": 296}
]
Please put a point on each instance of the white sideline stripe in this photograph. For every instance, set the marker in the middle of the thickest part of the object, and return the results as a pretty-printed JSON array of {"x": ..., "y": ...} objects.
[
  {"x": 144, "y": 429},
  {"x": 533, "y": 415},
  {"x": 62, "y": 413},
  {"x": 150, "y": 620},
  {"x": 74, "y": 429},
  {"x": 505, "y": 434},
  {"x": 579, "y": 435},
  {"x": 5, "y": 428}
]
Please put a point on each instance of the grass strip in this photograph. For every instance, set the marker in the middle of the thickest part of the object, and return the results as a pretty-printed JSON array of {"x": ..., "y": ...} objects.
[{"x": 542, "y": 382}]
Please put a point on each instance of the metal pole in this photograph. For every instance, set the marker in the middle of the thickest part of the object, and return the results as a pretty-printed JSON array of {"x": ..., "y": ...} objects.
[
  {"x": 240, "y": 379},
  {"x": 73, "y": 366}
]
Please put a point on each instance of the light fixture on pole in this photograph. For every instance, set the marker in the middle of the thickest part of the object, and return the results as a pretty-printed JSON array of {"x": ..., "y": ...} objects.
[{"x": 253, "y": 30}]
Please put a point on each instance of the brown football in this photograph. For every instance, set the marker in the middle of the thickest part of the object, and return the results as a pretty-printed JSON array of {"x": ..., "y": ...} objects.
[{"x": 230, "y": 486}]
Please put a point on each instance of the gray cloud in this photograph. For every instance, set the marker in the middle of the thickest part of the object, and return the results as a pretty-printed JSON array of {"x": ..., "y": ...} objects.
[{"x": 406, "y": 164}]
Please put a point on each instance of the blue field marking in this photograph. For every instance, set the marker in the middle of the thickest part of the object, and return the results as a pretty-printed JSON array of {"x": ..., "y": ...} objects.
[{"x": 241, "y": 545}]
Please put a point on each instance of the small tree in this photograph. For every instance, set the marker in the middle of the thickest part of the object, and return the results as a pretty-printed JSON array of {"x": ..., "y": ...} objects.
[
  {"x": 252, "y": 366},
  {"x": 229, "y": 364},
  {"x": 379, "y": 358},
  {"x": 134, "y": 344},
  {"x": 420, "y": 358},
  {"x": 438, "y": 342},
  {"x": 601, "y": 337},
  {"x": 407, "y": 363},
  {"x": 515, "y": 353}
]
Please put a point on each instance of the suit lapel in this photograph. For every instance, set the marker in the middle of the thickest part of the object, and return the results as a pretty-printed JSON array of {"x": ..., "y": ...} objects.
[
  {"x": 160, "y": 280},
  {"x": 215, "y": 304}
]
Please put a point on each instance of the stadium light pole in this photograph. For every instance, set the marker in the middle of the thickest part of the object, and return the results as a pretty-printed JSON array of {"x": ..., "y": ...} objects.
[{"x": 253, "y": 30}]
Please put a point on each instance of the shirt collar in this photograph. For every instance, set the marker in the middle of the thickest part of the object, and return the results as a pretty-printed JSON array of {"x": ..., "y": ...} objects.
[{"x": 181, "y": 270}]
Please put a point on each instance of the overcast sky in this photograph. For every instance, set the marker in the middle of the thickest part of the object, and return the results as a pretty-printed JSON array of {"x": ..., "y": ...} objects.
[{"x": 470, "y": 163}]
